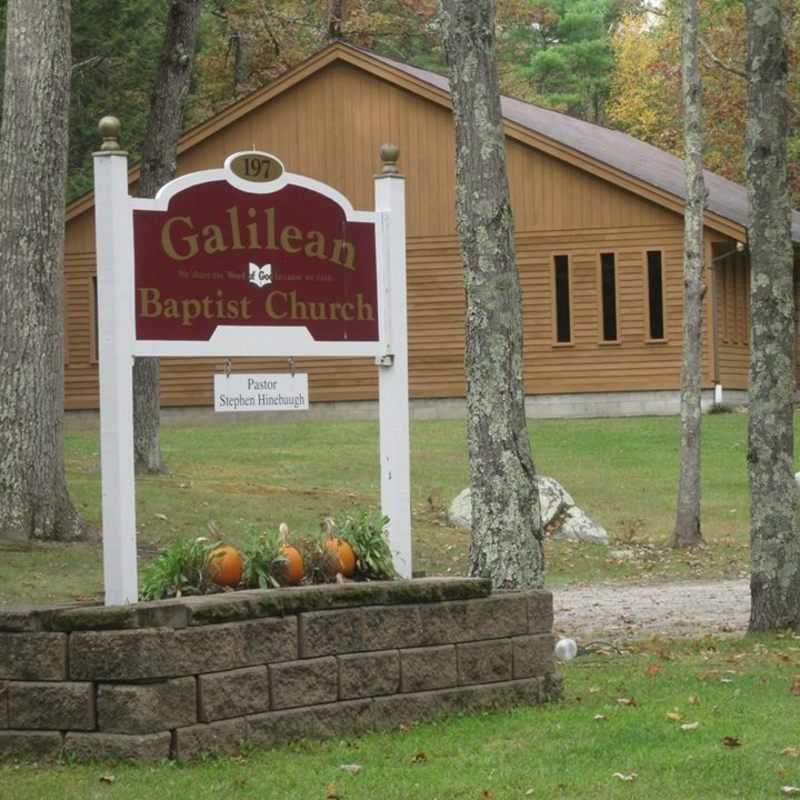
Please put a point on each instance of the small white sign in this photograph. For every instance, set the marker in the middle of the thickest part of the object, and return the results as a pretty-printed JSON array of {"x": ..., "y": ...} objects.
[{"x": 261, "y": 392}]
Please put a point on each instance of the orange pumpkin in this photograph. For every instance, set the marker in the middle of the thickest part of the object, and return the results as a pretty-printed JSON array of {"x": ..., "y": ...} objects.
[
  {"x": 225, "y": 565},
  {"x": 341, "y": 556},
  {"x": 293, "y": 566}
]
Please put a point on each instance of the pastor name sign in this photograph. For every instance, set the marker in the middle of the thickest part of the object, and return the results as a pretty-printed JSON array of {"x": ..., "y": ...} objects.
[{"x": 262, "y": 392}]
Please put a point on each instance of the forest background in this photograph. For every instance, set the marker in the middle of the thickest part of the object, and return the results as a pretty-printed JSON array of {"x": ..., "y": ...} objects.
[{"x": 612, "y": 62}]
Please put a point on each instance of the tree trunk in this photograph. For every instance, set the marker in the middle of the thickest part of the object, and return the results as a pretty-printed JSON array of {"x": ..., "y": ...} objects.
[
  {"x": 158, "y": 167},
  {"x": 34, "y": 503},
  {"x": 774, "y": 540},
  {"x": 335, "y": 16},
  {"x": 506, "y": 525},
  {"x": 687, "y": 522}
]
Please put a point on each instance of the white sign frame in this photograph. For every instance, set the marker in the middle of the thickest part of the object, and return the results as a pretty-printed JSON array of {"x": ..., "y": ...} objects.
[{"x": 118, "y": 346}]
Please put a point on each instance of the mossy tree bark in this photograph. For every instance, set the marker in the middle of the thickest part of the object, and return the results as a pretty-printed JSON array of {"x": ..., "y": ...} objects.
[
  {"x": 775, "y": 543},
  {"x": 506, "y": 524},
  {"x": 335, "y": 19},
  {"x": 159, "y": 155},
  {"x": 687, "y": 530},
  {"x": 34, "y": 502}
]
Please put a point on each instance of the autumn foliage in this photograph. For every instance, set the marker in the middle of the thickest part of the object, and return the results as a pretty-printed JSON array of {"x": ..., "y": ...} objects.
[{"x": 645, "y": 85}]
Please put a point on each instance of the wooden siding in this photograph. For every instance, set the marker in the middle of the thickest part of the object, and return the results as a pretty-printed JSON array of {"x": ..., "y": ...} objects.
[{"x": 330, "y": 126}]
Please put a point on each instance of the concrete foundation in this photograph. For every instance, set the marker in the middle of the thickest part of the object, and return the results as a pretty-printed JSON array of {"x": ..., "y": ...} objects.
[{"x": 544, "y": 406}]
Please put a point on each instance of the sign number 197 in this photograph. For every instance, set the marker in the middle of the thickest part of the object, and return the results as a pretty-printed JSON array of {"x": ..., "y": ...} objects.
[{"x": 256, "y": 167}]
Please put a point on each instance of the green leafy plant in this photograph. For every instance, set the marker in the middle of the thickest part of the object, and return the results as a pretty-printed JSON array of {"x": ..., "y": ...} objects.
[
  {"x": 263, "y": 560},
  {"x": 182, "y": 569},
  {"x": 319, "y": 566},
  {"x": 366, "y": 531}
]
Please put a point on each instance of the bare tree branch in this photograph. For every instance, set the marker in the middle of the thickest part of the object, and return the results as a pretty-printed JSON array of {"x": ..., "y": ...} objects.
[
  {"x": 726, "y": 65},
  {"x": 741, "y": 73},
  {"x": 88, "y": 62}
]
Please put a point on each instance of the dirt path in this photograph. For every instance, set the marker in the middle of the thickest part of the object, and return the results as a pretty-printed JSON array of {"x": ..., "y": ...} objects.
[{"x": 617, "y": 613}]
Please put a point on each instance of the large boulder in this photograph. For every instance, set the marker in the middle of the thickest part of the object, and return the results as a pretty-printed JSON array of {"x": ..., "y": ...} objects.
[
  {"x": 561, "y": 518},
  {"x": 577, "y": 526},
  {"x": 553, "y": 498},
  {"x": 460, "y": 511}
]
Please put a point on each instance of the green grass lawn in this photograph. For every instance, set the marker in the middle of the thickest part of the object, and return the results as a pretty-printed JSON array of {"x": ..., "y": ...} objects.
[
  {"x": 623, "y": 472},
  {"x": 739, "y": 692}
]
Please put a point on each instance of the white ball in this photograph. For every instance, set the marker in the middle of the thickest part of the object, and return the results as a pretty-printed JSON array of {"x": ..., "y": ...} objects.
[{"x": 566, "y": 649}]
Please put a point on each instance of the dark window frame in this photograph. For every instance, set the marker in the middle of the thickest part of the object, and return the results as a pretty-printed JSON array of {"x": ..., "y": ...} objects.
[
  {"x": 94, "y": 332},
  {"x": 563, "y": 260},
  {"x": 655, "y": 297},
  {"x": 608, "y": 300}
]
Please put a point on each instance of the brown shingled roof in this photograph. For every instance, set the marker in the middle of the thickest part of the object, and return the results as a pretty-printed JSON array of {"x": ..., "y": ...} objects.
[{"x": 613, "y": 148}]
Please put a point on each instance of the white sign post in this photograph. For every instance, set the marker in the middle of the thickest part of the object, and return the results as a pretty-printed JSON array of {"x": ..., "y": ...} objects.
[
  {"x": 393, "y": 376},
  {"x": 143, "y": 321},
  {"x": 116, "y": 338}
]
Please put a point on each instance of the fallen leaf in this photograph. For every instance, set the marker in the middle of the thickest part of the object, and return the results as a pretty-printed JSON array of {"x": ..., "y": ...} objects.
[
  {"x": 790, "y": 791},
  {"x": 107, "y": 779},
  {"x": 631, "y": 776},
  {"x": 664, "y": 655},
  {"x": 594, "y": 689},
  {"x": 487, "y": 794},
  {"x": 353, "y": 769},
  {"x": 419, "y": 758},
  {"x": 653, "y": 670},
  {"x": 690, "y": 726},
  {"x": 794, "y": 752},
  {"x": 406, "y": 726},
  {"x": 710, "y": 675},
  {"x": 694, "y": 700},
  {"x": 674, "y": 716},
  {"x": 600, "y": 717},
  {"x": 732, "y": 741},
  {"x": 795, "y": 685},
  {"x": 626, "y": 701},
  {"x": 161, "y": 517},
  {"x": 529, "y": 793}
]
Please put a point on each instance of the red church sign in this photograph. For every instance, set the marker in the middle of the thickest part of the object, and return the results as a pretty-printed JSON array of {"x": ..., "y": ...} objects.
[{"x": 220, "y": 255}]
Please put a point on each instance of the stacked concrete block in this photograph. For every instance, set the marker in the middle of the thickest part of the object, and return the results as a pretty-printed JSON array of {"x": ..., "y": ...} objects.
[{"x": 179, "y": 678}]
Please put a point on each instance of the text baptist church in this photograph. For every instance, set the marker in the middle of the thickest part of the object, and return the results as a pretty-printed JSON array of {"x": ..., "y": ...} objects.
[
  {"x": 181, "y": 240},
  {"x": 278, "y": 305}
]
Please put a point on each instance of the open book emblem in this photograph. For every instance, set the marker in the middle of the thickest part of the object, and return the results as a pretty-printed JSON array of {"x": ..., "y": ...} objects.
[{"x": 260, "y": 276}]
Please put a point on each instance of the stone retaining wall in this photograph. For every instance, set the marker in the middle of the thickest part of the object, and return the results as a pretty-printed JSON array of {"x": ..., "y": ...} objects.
[{"x": 177, "y": 678}]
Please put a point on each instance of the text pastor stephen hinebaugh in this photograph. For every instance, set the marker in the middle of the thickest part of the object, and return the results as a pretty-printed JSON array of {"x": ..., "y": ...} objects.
[{"x": 235, "y": 402}]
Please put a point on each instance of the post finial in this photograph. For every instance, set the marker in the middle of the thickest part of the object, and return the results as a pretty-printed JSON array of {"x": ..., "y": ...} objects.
[
  {"x": 109, "y": 130},
  {"x": 389, "y": 155}
]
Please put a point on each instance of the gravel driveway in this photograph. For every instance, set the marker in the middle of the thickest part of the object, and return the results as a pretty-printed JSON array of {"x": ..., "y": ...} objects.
[{"x": 691, "y": 609}]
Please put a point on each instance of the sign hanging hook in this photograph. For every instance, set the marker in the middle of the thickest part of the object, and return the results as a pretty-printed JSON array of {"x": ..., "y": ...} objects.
[
  {"x": 227, "y": 367},
  {"x": 291, "y": 365}
]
